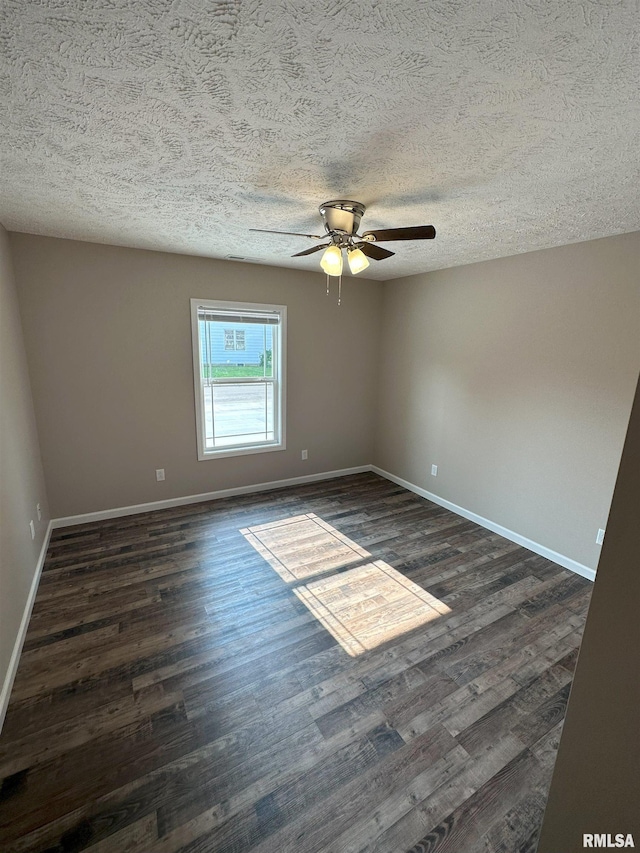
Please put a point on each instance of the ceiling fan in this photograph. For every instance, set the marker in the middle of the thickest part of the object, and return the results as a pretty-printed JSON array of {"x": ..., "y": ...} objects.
[{"x": 341, "y": 220}]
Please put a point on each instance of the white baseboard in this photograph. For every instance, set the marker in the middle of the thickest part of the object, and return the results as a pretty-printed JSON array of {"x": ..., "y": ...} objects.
[
  {"x": 5, "y": 693},
  {"x": 554, "y": 556},
  {"x": 119, "y": 512}
]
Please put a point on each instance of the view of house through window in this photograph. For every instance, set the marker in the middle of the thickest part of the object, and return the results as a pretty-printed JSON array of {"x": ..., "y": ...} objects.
[
  {"x": 234, "y": 339},
  {"x": 239, "y": 376}
]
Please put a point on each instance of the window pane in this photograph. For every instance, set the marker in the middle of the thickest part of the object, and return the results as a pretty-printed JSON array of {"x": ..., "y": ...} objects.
[
  {"x": 239, "y": 373},
  {"x": 244, "y": 350},
  {"x": 238, "y": 414}
]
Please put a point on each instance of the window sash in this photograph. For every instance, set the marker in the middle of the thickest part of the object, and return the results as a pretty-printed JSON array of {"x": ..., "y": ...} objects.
[{"x": 256, "y": 425}]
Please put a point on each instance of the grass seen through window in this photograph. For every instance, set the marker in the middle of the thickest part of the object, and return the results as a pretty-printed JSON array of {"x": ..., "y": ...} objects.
[{"x": 223, "y": 371}]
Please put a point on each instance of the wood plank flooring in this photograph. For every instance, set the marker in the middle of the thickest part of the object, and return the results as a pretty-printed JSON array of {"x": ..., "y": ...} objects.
[{"x": 334, "y": 668}]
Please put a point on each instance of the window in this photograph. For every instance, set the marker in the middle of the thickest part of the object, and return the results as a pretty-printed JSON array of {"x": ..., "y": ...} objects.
[
  {"x": 234, "y": 339},
  {"x": 238, "y": 364}
]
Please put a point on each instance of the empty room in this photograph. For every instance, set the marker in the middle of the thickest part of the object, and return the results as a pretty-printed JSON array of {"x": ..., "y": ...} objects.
[{"x": 320, "y": 340}]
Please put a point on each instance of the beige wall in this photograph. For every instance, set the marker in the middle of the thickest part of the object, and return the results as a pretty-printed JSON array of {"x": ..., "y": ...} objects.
[
  {"x": 21, "y": 480},
  {"x": 516, "y": 377},
  {"x": 109, "y": 340},
  {"x": 596, "y": 780}
]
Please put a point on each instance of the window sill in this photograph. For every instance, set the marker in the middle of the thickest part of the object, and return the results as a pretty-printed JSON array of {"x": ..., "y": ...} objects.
[{"x": 240, "y": 451}]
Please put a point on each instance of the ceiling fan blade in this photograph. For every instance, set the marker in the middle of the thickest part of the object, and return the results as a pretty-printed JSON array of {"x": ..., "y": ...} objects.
[
  {"x": 311, "y": 250},
  {"x": 290, "y": 233},
  {"x": 419, "y": 232},
  {"x": 375, "y": 252}
]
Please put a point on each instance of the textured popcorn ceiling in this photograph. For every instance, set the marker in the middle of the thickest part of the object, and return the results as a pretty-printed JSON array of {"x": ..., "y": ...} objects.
[{"x": 510, "y": 125}]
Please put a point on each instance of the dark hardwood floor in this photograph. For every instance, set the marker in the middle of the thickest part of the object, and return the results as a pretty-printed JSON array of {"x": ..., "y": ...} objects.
[{"x": 339, "y": 667}]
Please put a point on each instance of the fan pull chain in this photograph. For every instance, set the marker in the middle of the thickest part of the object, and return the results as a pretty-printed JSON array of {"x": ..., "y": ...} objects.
[{"x": 339, "y": 287}]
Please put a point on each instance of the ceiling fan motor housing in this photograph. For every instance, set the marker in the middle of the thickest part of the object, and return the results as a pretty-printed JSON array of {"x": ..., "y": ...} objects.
[{"x": 342, "y": 215}]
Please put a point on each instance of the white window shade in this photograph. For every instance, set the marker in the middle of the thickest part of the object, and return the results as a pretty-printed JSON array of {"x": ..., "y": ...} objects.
[{"x": 208, "y": 315}]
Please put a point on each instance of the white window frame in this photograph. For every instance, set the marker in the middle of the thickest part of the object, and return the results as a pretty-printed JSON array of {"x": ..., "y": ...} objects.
[{"x": 279, "y": 361}]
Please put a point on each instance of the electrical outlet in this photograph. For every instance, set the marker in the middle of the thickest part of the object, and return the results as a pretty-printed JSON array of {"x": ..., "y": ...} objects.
[
  {"x": 32, "y": 528},
  {"x": 159, "y": 474},
  {"x": 434, "y": 470},
  {"x": 39, "y": 511},
  {"x": 600, "y": 536},
  {"x": 305, "y": 454}
]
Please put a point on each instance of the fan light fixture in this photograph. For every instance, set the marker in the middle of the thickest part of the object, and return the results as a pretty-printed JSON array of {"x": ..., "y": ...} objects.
[
  {"x": 331, "y": 261},
  {"x": 358, "y": 261}
]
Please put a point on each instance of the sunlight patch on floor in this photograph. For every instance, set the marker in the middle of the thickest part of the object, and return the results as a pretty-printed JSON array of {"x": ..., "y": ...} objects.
[
  {"x": 362, "y": 607},
  {"x": 369, "y": 605},
  {"x": 303, "y": 546}
]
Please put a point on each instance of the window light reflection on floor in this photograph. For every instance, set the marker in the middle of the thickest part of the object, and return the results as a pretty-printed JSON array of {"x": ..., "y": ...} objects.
[
  {"x": 303, "y": 546},
  {"x": 363, "y": 606}
]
